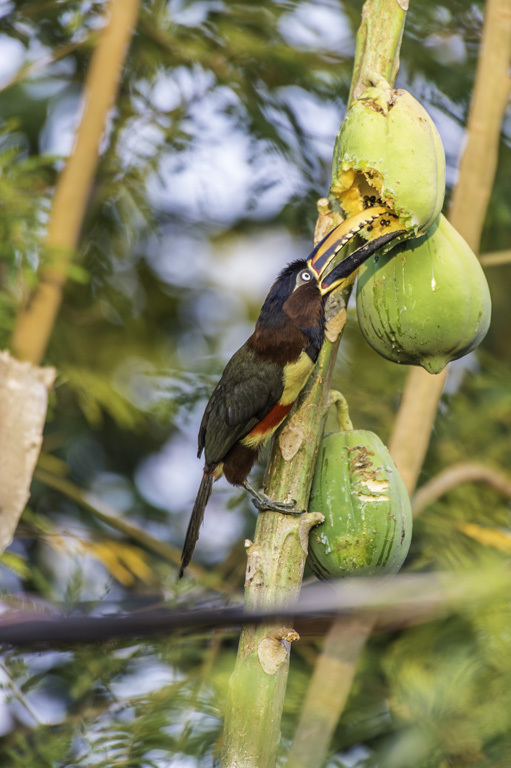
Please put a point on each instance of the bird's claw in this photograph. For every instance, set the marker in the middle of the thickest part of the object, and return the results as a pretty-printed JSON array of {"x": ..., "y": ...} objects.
[{"x": 263, "y": 503}]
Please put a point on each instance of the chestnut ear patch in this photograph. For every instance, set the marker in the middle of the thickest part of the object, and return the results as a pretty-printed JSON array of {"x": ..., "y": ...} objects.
[{"x": 305, "y": 305}]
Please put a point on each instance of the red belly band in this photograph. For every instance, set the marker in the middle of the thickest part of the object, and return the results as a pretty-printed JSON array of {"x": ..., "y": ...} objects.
[{"x": 272, "y": 420}]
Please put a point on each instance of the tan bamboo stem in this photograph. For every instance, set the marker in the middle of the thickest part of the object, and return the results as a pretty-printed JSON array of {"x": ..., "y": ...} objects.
[
  {"x": 495, "y": 258},
  {"x": 35, "y": 322},
  {"x": 458, "y": 474},
  {"x": 490, "y": 98},
  {"x": 329, "y": 689}
]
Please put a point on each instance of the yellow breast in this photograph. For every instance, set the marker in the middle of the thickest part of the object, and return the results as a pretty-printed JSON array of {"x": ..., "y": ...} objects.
[{"x": 295, "y": 376}]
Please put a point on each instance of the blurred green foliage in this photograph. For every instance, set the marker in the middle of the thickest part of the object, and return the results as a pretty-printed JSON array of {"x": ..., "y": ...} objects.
[{"x": 219, "y": 147}]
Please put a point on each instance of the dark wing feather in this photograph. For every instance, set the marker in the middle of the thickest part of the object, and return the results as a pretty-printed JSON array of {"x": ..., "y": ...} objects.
[{"x": 247, "y": 391}]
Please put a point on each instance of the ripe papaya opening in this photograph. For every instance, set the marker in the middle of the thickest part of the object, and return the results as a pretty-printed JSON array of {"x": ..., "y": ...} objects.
[{"x": 358, "y": 191}]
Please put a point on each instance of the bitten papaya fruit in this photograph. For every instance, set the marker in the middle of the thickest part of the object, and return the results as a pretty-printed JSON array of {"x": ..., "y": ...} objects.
[{"x": 388, "y": 152}]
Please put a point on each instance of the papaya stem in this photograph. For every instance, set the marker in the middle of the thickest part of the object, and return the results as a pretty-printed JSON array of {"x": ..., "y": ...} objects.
[
  {"x": 343, "y": 415},
  {"x": 378, "y": 44}
]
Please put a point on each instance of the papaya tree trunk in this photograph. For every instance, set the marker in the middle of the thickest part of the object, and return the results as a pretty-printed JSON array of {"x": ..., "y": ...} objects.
[
  {"x": 276, "y": 557},
  {"x": 334, "y": 670}
]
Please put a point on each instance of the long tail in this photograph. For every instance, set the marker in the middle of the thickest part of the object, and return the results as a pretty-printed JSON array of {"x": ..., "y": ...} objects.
[{"x": 192, "y": 534}]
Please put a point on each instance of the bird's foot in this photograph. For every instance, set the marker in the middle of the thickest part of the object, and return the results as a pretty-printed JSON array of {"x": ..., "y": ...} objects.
[{"x": 263, "y": 503}]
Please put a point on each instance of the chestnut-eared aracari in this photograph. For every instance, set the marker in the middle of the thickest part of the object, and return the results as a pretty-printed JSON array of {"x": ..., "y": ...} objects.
[{"x": 263, "y": 378}]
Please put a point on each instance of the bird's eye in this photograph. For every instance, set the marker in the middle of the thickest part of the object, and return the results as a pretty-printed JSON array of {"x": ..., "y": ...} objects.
[{"x": 306, "y": 276}]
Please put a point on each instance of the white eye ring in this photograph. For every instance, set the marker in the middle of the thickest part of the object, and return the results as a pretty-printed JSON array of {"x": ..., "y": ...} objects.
[{"x": 306, "y": 276}]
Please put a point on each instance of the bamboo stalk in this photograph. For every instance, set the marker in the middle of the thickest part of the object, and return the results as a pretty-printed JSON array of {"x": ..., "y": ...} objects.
[
  {"x": 276, "y": 558},
  {"x": 490, "y": 98},
  {"x": 414, "y": 421},
  {"x": 495, "y": 258},
  {"x": 329, "y": 688},
  {"x": 22, "y": 433},
  {"x": 35, "y": 322}
]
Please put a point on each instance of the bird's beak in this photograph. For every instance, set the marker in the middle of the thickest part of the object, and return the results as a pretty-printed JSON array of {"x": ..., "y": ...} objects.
[
  {"x": 324, "y": 257},
  {"x": 351, "y": 263}
]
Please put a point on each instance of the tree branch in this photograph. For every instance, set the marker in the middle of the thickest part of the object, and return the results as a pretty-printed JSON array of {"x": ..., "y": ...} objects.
[
  {"x": 35, "y": 322},
  {"x": 107, "y": 515},
  {"x": 457, "y": 474}
]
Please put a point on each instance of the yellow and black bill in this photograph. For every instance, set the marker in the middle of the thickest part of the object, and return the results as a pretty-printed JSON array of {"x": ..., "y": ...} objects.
[
  {"x": 327, "y": 253},
  {"x": 351, "y": 263}
]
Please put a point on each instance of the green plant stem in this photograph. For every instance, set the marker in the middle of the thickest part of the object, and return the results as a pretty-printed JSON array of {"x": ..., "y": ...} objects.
[
  {"x": 343, "y": 414},
  {"x": 378, "y": 43},
  {"x": 276, "y": 558}
]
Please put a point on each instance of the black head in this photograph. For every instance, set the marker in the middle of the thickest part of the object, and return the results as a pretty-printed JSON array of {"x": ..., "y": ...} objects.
[
  {"x": 295, "y": 298},
  {"x": 293, "y": 278}
]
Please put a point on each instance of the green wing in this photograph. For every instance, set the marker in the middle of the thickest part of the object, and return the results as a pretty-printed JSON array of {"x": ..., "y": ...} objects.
[{"x": 247, "y": 391}]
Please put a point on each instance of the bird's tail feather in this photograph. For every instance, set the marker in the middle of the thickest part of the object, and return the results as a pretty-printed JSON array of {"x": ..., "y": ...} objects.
[{"x": 192, "y": 534}]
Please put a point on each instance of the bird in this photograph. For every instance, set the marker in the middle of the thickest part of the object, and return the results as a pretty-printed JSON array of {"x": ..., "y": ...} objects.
[{"x": 262, "y": 380}]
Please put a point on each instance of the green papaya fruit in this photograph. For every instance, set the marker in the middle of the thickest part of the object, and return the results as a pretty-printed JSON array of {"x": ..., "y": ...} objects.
[
  {"x": 427, "y": 302},
  {"x": 368, "y": 518},
  {"x": 388, "y": 152}
]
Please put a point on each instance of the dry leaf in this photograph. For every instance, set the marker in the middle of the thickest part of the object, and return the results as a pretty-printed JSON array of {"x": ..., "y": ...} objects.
[{"x": 489, "y": 537}]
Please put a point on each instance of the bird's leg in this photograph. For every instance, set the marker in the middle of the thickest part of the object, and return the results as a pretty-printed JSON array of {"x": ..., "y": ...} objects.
[{"x": 262, "y": 502}]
